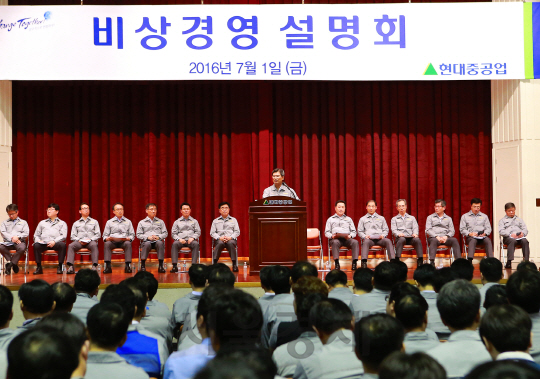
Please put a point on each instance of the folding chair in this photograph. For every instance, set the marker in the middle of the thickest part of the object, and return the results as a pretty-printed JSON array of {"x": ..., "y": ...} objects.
[
  {"x": 502, "y": 247},
  {"x": 443, "y": 251},
  {"x": 479, "y": 252},
  {"x": 51, "y": 253},
  {"x": 2, "y": 260},
  {"x": 313, "y": 234},
  {"x": 187, "y": 250},
  {"x": 408, "y": 251},
  {"x": 152, "y": 251},
  {"x": 342, "y": 249}
]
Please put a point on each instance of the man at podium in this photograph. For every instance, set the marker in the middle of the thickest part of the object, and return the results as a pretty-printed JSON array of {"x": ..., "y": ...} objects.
[{"x": 279, "y": 188}]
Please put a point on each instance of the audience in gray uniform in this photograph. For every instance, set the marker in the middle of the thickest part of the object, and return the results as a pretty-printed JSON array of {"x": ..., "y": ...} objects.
[
  {"x": 64, "y": 297},
  {"x": 400, "y": 365},
  {"x": 503, "y": 369},
  {"x": 86, "y": 286},
  {"x": 496, "y": 295},
  {"x": 240, "y": 364},
  {"x": 220, "y": 273},
  {"x": 459, "y": 306},
  {"x": 184, "y": 307},
  {"x": 376, "y": 336},
  {"x": 6, "y": 315},
  {"x": 107, "y": 330},
  {"x": 362, "y": 281},
  {"x": 338, "y": 287},
  {"x": 264, "y": 276},
  {"x": 491, "y": 273},
  {"x": 333, "y": 322},
  {"x": 523, "y": 290},
  {"x": 463, "y": 269},
  {"x": 527, "y": 265},
  {"x": 425, "y": 278},
  {"x": 37, "y": 301},
  {"x": 402, "y": 270}
]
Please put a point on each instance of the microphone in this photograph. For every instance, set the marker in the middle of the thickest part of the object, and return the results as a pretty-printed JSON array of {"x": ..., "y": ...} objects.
[{"x": 294, "y": 193}]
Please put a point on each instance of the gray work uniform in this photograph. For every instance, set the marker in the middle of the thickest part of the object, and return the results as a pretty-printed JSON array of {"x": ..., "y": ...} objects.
[
  {"x": 183, "y": 307},
  {"x": 334, "y": 360},
  {"x": 224, "y": 227},
  {"x": 282, "y": 191},
  {"x": 342, "y": 293},
  {"x": 49, "y": 230},
  {"x": 509, "y": 226},
  {"x": 408, "y": 226},
  {"x": 287, "y": 356},
  {"x": 369, "y": 303},
  {"x": 416, "y": 342},
  {"x": 147, "y": 228},
  {"x": 281, "y": 308},
  {"x": 476, "y": 223},
  {"x": 6, "y": 335},
  {"x": 438, "y": 227},
  {"x": 344, "y": 224},
  {"x": 185, "y": 229},
  {"x": 265, "y": 300},
  {"x": 462, "y": 352},
  {"x": 434, "y": 318},
  {"x": 535, "y": 349},
  {"x": 10, "y": 229},
  {"x": 158, "y": 321},
  {"x": 483, "y": 290},
  {"x": 376, "y": 228},
  {"x": 122, "y": 228},
  {"x": 84, "y": 230},
  {"x": 108, "y": 364},
  {"x": 83, "y": 303}
]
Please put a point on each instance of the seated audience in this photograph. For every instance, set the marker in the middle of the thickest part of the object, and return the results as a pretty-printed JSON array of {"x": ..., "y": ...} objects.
[
  {"x": 220, "y": 273},
  {"x": 6, "y": 315},
  {"x": 36, "y": 300},
  {"x": 264, "y": 276},
  {"x": 337, "y": 286},
  {"x": 377, "y": 336},
  {"x": 444, "y": 275},
  {"x": 399, "y": 365},
  {"x": 402, "y": 270},
  {"x": 496, "y": 295},
  {"x": 240, "y": 364},
  {"x": 333, "y": 322},
  {"x": 463, "y": 268},
  {"x": 362, "y": 281},
  {"x": 280, "y": 280},
  {"x": 504, "y": 370},
  {"x": 86, "y": 286},
  {"x": 527, "y": 265},
  {"x": 107, "y": 330},
  {"x": 491, "y": 273},
  {"x": 64, "y": 297},
  {"x": 459, "y": 306},
  {"x": 184, "y": 308}
]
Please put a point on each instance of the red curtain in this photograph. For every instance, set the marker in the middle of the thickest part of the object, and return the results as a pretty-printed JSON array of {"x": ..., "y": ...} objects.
[{"x": 206, "y": 142}]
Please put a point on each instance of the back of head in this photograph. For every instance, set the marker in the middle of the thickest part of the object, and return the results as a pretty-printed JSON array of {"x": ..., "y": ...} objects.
[
  {"x": 138, "y": 286},
  {"x": 385, "y": 276},
  {"x": 459, "y": 303},
  {"x": 280, "y": 279},
  {"x": 330, "y": 315},
  {"x": 198, "y": 275},
  {"x": 425, "y": 275},
  {"x": 123, "y": 296},
  {"x": 41, "y": 353},
  {"x": 87, "y": 281},
  {"x": 208, "y": 298},
  {"x": 523, "y": 290},
  {"x": 401, "y": 289},
  {"x": 64, "y": 296},
  {"x": 67, "y": 323},
  {"x": 37, "y": 296},
  {"x": 150, "y": 282},
  {"x": 443, "y": 276},
  {"x": 463, "y": 268},
  {"x": 495, "y": 295},
  {"x": 107, "y": 325},
  {"x": 304, "y": 287},
  {"x": 302, "y": 268},
  {"x": 235, "y": 319},
  {"x": 411, "y": 310},
  {"x": 503, "y": 369},
  {"x": 335, "y": 278},
  {"x": 400, "y": 365},
  {"x": 376, "y": 337},
  {"x": 264, "y": 276},
  {"x": 527, "y": 265},
  {"x": 362, "y": 279},
  {"x": 401, "y": 270},
  {"x": 491, "y": 269},
  {"x": 507, "y": 327},
  {"x": 240, "y": 364},
  {"x": 6, "y": 304},
  {"x": 223, "y": 276}
]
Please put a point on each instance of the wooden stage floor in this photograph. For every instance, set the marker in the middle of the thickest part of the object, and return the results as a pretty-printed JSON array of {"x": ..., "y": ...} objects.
[{"x": 181, "y": 280}]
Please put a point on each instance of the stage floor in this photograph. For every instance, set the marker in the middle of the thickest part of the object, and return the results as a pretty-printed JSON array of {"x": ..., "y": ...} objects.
[{"x": 181, "y": 280}]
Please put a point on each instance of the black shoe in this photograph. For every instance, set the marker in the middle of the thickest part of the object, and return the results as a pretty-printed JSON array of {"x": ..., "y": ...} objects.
[
  {"x": 39, "y": 270},
  {"x": 108, "y": 268},
  {"x": 235, "y": 268},
  {"x": 353, "y": 267},
  {"x": 15, "y": 268},
  {"x": 8, "y": 268},
  {"x": 94, "y": 267},
  {"x": 508, "y": 264},
  {"x": 143, "y": 267},
  {"x": 174, "y": 269},
  {"x": 363, "y": 264},
  {"x": 419, "y": 262},
  {"x": 127, "y": 269},
  {"x": 161, "y": 269},
  {"x": 337, "y": 266},
  {"x": 71, "y": 270},
  {"x": 59, "y": 270},
  {"x": 432, "y": 262}
]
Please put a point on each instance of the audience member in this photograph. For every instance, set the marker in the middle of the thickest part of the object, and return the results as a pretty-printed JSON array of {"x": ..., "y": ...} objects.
[
  {"x": 503, "y": 370},
  {"x": 303, "y": 268},
  {"x": 240, "y": 364},
  {"x": 221, "y": 274},
  {"x": 337, "y": 286},
  {"x": 107, "y": 330},
  {"x": 496, "y": 295},
  {"x": 36, "y": 300},
  {"x": 6, "y": 315},
  {"x": 399, "y": 365},
  {"x": 264, "y": 276},
  {"x": 402, "y": 270},
  {"x": 444, "y": 275},
  {"x": 463, "y": 268},
  {"x": 64, "y": 297},
  {"x": 527, "y": 265},
  {"x": 491, "y": 273},
  {"x": 87, "y": 283},
  {"x": 459, "y": 306},
  {"x": 363, "y": 281},
  {"x": 377, "y": 336},
  {"x": 333, "y": 322},
  {"x": 399, "y": 290}
]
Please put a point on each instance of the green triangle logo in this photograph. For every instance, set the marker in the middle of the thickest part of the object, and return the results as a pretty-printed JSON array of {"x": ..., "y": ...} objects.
[
  {"x": 265, "y": 202},
  {"x": 430, "y": 70}
]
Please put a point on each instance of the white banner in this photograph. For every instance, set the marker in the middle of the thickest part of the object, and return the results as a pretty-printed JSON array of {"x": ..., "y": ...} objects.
[{"x": 453, "y": 41}]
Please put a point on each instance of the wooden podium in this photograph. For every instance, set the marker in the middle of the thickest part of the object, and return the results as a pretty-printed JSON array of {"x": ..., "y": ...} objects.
[{"x": 277, "y": 232}]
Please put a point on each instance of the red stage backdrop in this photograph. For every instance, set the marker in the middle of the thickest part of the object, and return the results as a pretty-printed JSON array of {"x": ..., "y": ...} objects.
[{"x": 206, "y": 142}]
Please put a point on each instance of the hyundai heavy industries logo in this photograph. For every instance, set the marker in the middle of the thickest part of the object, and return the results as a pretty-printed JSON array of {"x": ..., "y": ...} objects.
[
  {"x": 27, "y": 23},
  {"x": 277, "y": 202}
]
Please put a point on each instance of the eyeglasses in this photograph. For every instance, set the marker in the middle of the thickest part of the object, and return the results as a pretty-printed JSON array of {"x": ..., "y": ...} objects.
[{"x": 84, "y": 208}]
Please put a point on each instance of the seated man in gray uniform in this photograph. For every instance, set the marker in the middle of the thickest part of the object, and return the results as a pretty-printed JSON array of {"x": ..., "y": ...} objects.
[
  {"x": 118, "y": 233},
  {"x": 107, "y": 329},
  {"x": 185, "y": 232},
  {"x": 279, "y": 188},
  {"x": 440, "y": 231},
  {"x": 372, "y": 228},
  {"x": 264, "y": 276},
  {"x": 50, "y": 234},
  {"x": 405, "y": 230},
  {"x": 224, "y": 231},
  {"x": 476, "y": 228},
  {"x": 152, "y": 233},
  {"x": 513, "y": 230},
  {"x": 336, "y": 280},
  {"x": 340, "y": 231},
  {"x": 15, "y": 233},
  {"x": 87, "y": 287},
  {"x": 85, "y": 233}
]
